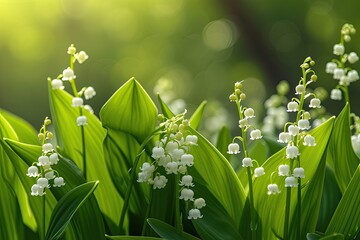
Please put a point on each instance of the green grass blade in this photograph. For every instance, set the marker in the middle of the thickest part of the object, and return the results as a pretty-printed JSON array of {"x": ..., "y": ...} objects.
[
  {"x": 131, "y": 238},
  {"x": 165, "y": 110},
  {"x": 197, "y": 115},
  {"x": 223, "y": 140}
]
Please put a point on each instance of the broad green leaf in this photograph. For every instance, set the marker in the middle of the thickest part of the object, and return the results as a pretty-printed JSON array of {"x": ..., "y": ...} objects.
[
  {"x": 24, "y": 131},
  {"x": 67, "y": 207},
  {"x": 88, "y": 222},
  {"x": 11, "y": 225},
  {"x": 223, "y": 141},
  {"x": 271, "y": 209},
  {"x": 7, "y": 171},
  {"x": 165, "y": 110},
  {"x": 346, "y": 219},
  {"x": 213, "y": 172},
  {"x": 167, "y": 231},
  {"x": 197, "y": 115},
  {"x": 68, "y": 136},
  {"x": 120, "y": 150},
  {"x": 315, "y": 236},
  {"x": 131, "y": 238},
  {"x": 330, "y": 199},
  {"x": 131, "y": 110},
  {"x": 344, "y": 159}
]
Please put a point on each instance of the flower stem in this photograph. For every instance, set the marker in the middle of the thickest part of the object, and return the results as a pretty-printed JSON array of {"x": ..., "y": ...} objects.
[
  {"x": 83, "y": 150},
  {"x": 252, "y": 209},
  {"x": 298, "y": 232},
  {"x": 287, "y": 213},
  {"x": 133, "y": 176},
  {"x": 147, "y": 214},
  {"x": 43, "y": 218},
  {"x": 178, "y": 222}
]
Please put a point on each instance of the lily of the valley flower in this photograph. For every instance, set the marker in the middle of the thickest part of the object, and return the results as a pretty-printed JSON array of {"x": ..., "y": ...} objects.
[
  {"x": 336, "y": 94},
  {"x": 255, "y": 134},
  {"x": 309, "y": 141},
  {"x": 292, "y": 152},
  {"x": 284, "y": 137},
  {"x": 33, "y": 171},
  {"x": 187, "y": 194},
  {"x": 194, "y": 214},
  {"x": 160, "y": 182},
  {"x": 290, "y": 182},
  {"x": 199, "y": 203},
  {"x": 299, "y": 172},
  {"x": 259, "y": 171},
  {"x": 89, "y": 93},
  {"x": 81, "y": 121},
  {"x": 273, "y": 189},
  {"x": 233, "y": 148},
  {"x": 57, "y": 84},
  {"x": 292, "y": 106},
  {"x": 247, "y": 162},
  {"x": 339, "y": 49},
  {"x": 315, "y": 103},
  {"x": 68, "y": 74},
  {"x": 283, "y": 170}
]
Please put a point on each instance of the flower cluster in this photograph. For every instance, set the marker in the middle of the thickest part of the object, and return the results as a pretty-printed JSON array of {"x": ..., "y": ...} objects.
[
  {"x": 276, "y": 114},
  {"x": 295, "y": 133},
  {"x": 245, "y": 114},
  {"x": 41, "y": 170},
  {"x": 172, "y": 157},
  {"x": 344, "y": 74},
  {"x": 68, "y": 75}
]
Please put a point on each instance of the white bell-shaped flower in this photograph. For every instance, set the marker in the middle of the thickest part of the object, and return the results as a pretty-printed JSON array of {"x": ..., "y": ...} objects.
[
  {"x": 299, "y": 172},
  {"x": 182, "y": 169},
  {"x": 294, "y": 130},
  {"x": 59, "y": 182},
  {"x": 304, "y": 124},
  {"x": 290, "y": 182},
  {"x": 284, "y": 137},
  {"x": 199, "y": 203},
  {"x": 177, "y": 153},
  {"x": 89, "y": 109},
  {"x": 336, "y": 94},
  {"x": 315, "y": 103},
  {"x": 292, "y": 152},
  {"x": 81, "y": 56},
  {"x": 249, "y": 113},
  {"x": 255, "y": 134},
  {"x": 283, "y": 170},
  {"x": 57, "y": 84},
  {"x": 186, "y": 181},
  {"x": 352, "y": 57},
  {"x": 233, "y": 148},
  {"x": 164, "y": 160},
  {"x": 81, "y": 121},
  {"x": 353, "y": 76},
  {"x": 194, "y": 214},
  {"x": 160, "y": 182},
  {"x": 259, "y": 171},
  {"x": 243, "y": 123},
  {"x": 158, "y": 152},
  {"x": 68, "y": 74},
  {"x": 89, "y": 93},
  {"x": 54, "y": 159},
  {"x": 47, "y": 147},
  {"x": 191, "y": 139},
  {"x": 330, "y": 67},
  {"x": 171, "y": 167},
  {"x": 187, "y": 194},
  {"x": 77, "y": 102},
  {"x": 292, "y": 106},
  {"x": 36, "y": 190},
  {"x": 43, "y": 160},
  {"x": 187, "y": 160},
  {"x": 338, "y": 73},
  {"x": 338, "y": 49},
  {"x": 43, "y": 183},
  {"x": 273, "y": 189},
  {"x": 309, "y": 141},
  {"x": 299, "y": 89},
  {"x": 50, "y": 175},
  {"x": 344, "y": 81},
  {"x": 33, "y": 171},
  {"x": 247, "y": 162}
]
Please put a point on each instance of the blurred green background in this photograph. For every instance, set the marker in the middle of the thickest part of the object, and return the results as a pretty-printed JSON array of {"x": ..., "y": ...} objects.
[{"x": 191, "y": 50}]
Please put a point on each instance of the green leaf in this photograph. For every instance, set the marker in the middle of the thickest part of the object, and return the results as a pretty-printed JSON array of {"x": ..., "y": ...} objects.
[
  {"x": 344, "y": 159},
  {"x": 68, "y": 136},
  {"x": 167, "y": 231},
  {"x": 67, "y": 207},
  {"x": 223, "y": 141},
  {"x": 271, "y": 209},
  {"x": 196, "y": 117},
  {"x": 88, "y": 222},
  {"x": 165, "y": 110},
  {"x": 7, "y": 171},
  {"x": 131, "y": 238},
  {"x": 11, "y": 226},
  {"x": 330, "y": 199},
  {"x": 131, "y": 110},
  {"x": 315, "y": 236},
  {"x": 346, "y": 219},
  {"x": 213, "y": 173}
]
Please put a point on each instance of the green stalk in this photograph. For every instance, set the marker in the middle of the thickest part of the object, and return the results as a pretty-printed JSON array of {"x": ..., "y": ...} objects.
[
  {"x": 298, "y": 232},
  {"x": 147, "y": 214},
  {"x": 83, "y": 150},
  {"x": 178, "y": 222},
  {"x": 133, "y": 176},
  {"x": 287, "y": 213},
  {"x": 43, "y": 218}
]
